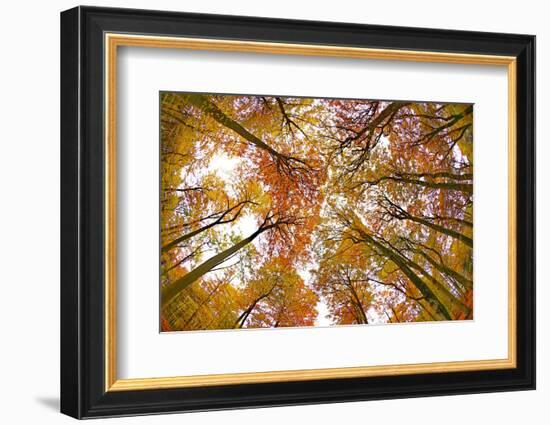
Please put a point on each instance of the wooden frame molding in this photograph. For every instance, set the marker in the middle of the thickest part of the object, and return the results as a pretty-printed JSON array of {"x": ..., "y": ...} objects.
[
  {"x": 90, "y": 40},
  {"x": 114, "y": 40}
]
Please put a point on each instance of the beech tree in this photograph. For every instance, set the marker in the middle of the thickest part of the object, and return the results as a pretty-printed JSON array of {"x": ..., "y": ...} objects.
[{"x": 275, "y": 208}]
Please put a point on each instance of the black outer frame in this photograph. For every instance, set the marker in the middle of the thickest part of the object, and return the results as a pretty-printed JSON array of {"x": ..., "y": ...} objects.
[{"x": 82, "y": 207}]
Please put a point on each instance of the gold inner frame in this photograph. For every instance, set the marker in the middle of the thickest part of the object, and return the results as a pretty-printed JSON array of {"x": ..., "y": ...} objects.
[{"x": 113, "y": 41}]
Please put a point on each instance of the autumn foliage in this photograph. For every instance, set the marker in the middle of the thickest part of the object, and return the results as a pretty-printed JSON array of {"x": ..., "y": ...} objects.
[{"x": 283, "y": 212}]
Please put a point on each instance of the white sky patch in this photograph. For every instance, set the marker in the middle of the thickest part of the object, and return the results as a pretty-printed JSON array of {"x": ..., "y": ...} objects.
[
  {"x": 457, "y": 153},
  {"x": 384, "y": 143},
  {"x": 322, "y": 313},
  {"x": 304, "y": 274},
  {"x": 224, "y": 166},
  {"x": 322, "y": 318},
  {"x": 246, "y": 225},
  {"x": 321, "y": 307},
  {"x": 375, "y": 317}
]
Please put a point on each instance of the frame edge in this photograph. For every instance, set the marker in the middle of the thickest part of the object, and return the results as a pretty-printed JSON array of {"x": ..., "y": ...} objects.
[
  {"x": 70, "y": 380},
  {"x": 79, "y": 397}
]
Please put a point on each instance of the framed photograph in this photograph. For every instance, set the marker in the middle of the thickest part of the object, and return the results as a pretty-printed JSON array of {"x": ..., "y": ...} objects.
[{"x": 261, "y": 212}]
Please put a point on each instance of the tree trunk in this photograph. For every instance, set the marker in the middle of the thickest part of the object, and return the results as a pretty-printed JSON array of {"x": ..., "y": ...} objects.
[
  {"x": 185, "y": 237},
  {"x": 463, "y": 238},
  {"x": 380, "y": 118},
  {"x": 241, "y": 320},
  {"x": 442, "y": 292},
  {"x": 399, "y": 262},
  {"x": 358, "y": 303},
  {"x": 467, "y": 283},
  {"x": 461, "y": 187},
  {"x": 439, "y": 175},
  {"x": 219, "y": 220},
  {"x": 170, "y": 291},
  {"x": 202, "y": 102}
]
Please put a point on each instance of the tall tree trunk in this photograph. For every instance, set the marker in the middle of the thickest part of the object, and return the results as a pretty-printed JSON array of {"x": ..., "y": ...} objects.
[
  {"x": 366, "y": 134},
  {"x": 202, "y": 102},
  {"x": 454, "y": 234},
  {"x": 219, "y": 220},
  {"x": 442, "y": 292},
  {"x": 172, "y": 244},
  {"x": 172, "y": 289},
  {"x": 362, "y": 315},
  {"x": 387, "y": 112},
  {"x": 358, "y": 304},
  {"x": 241, "y": 320},
  {"x": 398, "y": 260},
  {"x": 439, "y": 175},
  {"x": 467, "y": 283},
  {"x": 461, "y": 187},
  {"x": 455, "y": 118},
  {"x": 201, "y": 305}
]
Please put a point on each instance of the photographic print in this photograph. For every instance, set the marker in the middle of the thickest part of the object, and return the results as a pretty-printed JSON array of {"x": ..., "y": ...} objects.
[
  {"x": 280, "y": 211},
  {"x": 203, "y": 195}
]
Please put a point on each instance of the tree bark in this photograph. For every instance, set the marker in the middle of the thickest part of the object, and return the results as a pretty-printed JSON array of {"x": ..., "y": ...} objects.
[
  {"x": 463, "y": 238},
  {"x": 398, "y": 260},
  {"x": 170, "y": 290},
  {"x": 185, "y": 237},
  {"x": 241, "y": 320},
  {"x": 461, "y": 187},
  {"x": 202, "y": 102},
  {"x": 219, "y": 220},
  {"x": 438, "y": 175},
  {"x": 454, "y": 119},
  {"x": 367, "y": 133},
  {"x": 380, "y": 118},
  {"x": 355, "y": 296},
  {"x": 360, "y": 308},
  {"x": 467, "y": 283},
  {"x": 442, "y": 292}
]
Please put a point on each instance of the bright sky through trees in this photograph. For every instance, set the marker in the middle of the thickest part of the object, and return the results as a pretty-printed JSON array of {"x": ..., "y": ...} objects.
[{"x": 285, "y": 212}]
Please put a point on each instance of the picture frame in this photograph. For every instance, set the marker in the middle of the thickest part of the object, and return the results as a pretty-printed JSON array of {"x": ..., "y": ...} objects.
[{"x": 90, "y": 40}]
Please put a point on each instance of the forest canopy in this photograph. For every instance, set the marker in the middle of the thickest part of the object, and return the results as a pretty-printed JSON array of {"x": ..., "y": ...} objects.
[{"x": 287, "y": 211}]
